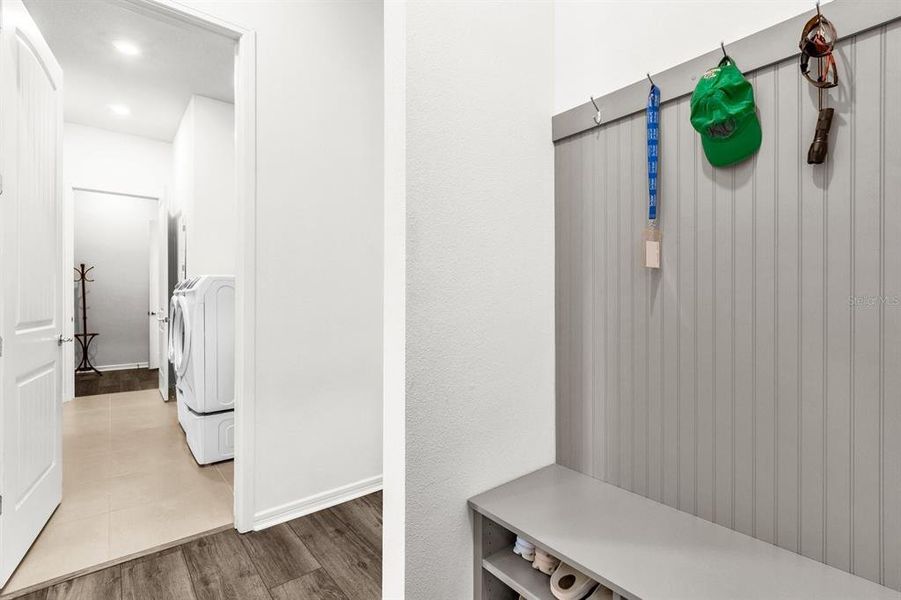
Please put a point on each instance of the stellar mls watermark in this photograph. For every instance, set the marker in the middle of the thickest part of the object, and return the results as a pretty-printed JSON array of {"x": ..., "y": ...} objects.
[{"x": 874, "y": 301}]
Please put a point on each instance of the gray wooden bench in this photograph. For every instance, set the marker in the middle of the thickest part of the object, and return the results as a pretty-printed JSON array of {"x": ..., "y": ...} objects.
[{"x": 638, "y": 548}]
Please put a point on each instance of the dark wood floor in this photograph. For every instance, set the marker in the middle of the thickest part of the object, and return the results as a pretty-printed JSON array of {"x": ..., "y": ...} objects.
[
  {"x": 111, "y": 382},
  {"x": 334, "y": 554}
]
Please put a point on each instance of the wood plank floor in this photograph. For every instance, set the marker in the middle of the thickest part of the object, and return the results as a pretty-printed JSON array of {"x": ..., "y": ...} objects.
[
  {"x": 334, "y": 554},
  {"x": 111, "y": 382}
]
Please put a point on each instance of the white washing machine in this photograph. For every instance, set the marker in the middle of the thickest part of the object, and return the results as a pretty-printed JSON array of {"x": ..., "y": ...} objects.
[{"x": 202, "y": 351}]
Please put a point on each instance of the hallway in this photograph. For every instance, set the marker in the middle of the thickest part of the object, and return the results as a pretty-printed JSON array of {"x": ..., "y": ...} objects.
[{"x": 129, "y": 484}]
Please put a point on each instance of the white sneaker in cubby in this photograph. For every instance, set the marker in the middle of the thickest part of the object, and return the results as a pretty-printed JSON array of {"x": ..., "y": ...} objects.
[{"x": 524, "y": 548}]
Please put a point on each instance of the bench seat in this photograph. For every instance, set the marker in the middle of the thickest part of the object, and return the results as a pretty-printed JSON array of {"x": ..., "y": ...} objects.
[{"x": 639, "y": 548}]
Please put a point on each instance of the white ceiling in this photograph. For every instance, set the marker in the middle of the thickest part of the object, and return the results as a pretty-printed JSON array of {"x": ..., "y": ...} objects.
[{"x": 176, "y": 61}]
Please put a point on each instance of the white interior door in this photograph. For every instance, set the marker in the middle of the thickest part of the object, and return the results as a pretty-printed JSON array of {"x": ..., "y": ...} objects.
[
  {"x": 153, "y": 312},
  {"x": 162, "y": 298},
  {"x": 30, "y": 283}
]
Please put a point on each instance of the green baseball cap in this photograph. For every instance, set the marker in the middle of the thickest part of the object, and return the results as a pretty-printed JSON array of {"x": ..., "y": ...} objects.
[{"x": 723, "y": 112}]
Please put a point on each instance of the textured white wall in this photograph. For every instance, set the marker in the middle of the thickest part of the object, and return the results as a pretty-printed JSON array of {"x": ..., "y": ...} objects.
[
  {"x": 603, "y": 45},
  {"x": 480, "y": 270},
  {"x": 318, "y": 329}
]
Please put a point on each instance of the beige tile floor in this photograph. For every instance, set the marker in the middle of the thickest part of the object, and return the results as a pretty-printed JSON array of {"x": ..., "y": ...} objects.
[{"x": 129, "y": 484}]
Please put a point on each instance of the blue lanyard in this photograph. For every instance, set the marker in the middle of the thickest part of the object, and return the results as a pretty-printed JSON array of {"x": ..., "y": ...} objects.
[{"x": 653, "y": 141}]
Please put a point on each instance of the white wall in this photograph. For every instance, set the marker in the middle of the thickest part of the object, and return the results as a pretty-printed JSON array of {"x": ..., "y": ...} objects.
[
  {"x": 112, "y": 234},
  {"x": 395, "y": 315},
  {"x": 97, "y": 159},
  {"x": 204, "y": 185},
  {"x": 182, "y": 183},
  {"x": 318, "y": 328},
  {"x": 480, "y": 270},
  {"x": 115, "y": 162},
  {"x": 603, "y": 45}
]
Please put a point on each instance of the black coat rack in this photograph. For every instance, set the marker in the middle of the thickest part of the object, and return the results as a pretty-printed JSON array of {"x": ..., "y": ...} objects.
[{"x": 84, "y": 338}]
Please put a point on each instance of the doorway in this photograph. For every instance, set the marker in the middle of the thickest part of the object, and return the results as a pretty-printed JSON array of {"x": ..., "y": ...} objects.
[
  {"x": 131, "y": 478},
  {"x": 119, "y": 306}
]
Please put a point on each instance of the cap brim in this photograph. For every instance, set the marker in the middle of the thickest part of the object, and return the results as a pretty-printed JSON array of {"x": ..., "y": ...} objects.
[{"x": 736, "y": 148}]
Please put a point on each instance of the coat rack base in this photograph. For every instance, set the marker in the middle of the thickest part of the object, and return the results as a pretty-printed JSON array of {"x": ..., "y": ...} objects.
[{"x": 84, "y": 340}]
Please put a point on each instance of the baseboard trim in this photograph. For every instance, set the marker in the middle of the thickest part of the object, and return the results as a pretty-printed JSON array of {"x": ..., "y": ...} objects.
[
  {"x": 305, "y": 506},
  {"x": 123, "y": 367}
]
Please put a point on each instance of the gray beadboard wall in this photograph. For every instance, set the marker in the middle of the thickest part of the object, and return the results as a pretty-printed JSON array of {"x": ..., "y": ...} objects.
[{"x": 738, "y": 383}]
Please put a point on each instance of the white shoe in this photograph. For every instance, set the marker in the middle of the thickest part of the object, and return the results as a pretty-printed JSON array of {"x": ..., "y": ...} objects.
[
  {"x": 600, "y": 593},
  {"x": 569, "y": 584},
  {"x": 544, "y": 562},
  {"x": 524, "y": 548}
]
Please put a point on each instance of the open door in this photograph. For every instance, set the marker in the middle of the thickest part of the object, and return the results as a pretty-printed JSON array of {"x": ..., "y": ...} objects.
[
  {"x": 162, "y": 297},
  {"x": 30, "y": 284},
  {"x": 153, "y": 298}
]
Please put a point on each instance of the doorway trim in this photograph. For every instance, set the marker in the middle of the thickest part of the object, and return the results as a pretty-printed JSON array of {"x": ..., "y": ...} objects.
[
  {"x": 246, "y": 265},
  {"x": 68, "y": 245}
]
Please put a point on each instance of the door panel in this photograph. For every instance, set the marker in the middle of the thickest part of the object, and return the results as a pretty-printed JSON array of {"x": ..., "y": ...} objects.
[
  {"x": 30, "y": 284},
  {"x": 153, "y": 296},
  {"x": 162, "y": 300},
  {"x": 37, "y": 134},
  {"x": 35, "y": 404}
]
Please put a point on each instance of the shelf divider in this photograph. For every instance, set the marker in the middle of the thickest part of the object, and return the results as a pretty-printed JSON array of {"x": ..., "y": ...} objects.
[{"x": 518, "y": 574}]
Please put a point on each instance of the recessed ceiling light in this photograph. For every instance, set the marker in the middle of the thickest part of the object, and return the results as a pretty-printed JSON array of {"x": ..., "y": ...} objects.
[
  {"x": 127, "y": 48},
  {"x": 119, "y": 110}
]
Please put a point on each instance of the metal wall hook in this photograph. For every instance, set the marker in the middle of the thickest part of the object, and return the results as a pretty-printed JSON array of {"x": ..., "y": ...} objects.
[
  {"x": 723, "y": 48},
  {"x": 649, "y": 78},
  {"x": 597, "y": 117}
]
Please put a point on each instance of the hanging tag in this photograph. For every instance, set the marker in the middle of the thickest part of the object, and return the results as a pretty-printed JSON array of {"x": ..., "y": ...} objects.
[
  {"x": 651, "y": 236},
  {"x": 651, "y": 241}
]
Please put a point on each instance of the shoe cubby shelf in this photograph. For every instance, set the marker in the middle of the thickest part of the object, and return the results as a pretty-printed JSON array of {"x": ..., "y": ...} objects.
[
  {"x": 517, "y": 574},
  {"x": 636, "y": 547}
]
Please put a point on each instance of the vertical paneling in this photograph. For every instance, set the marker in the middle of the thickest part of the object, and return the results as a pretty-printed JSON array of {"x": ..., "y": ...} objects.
[
  {"x": 742, "y": 246},
  {"x": 599, "y": 284},
  {"x": 611, "y": 299},
  {"x": 585, "y": 304},
  {"x": 655, "y": 381},
  {"x": 686, "y": 302},
  {"x": 723, "y": 346},
  {"x": 705, "y": 333},
  {"x": 812, "y": 317},
  {"x": 867, "y": 319},
  {"x": 891, "y": 343},
  {"x": 564, "y": 400},
  {"x": 764, "y": 316},
  {"x": 787, "y": 233},
  {"x": 626, "y": 286},
  {"x": 840, "y": 171},
  {"x": 753, "y": 380},
  {"x": 576, "y": 258},
  {"x": 641, "y": 380},
  {"x": 670, "y": 167}
]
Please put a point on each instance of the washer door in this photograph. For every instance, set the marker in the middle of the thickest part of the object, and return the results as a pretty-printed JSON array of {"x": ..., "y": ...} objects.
[
  {"x": 174, "y": 315},
  {"x": 182, "y": 348}
]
